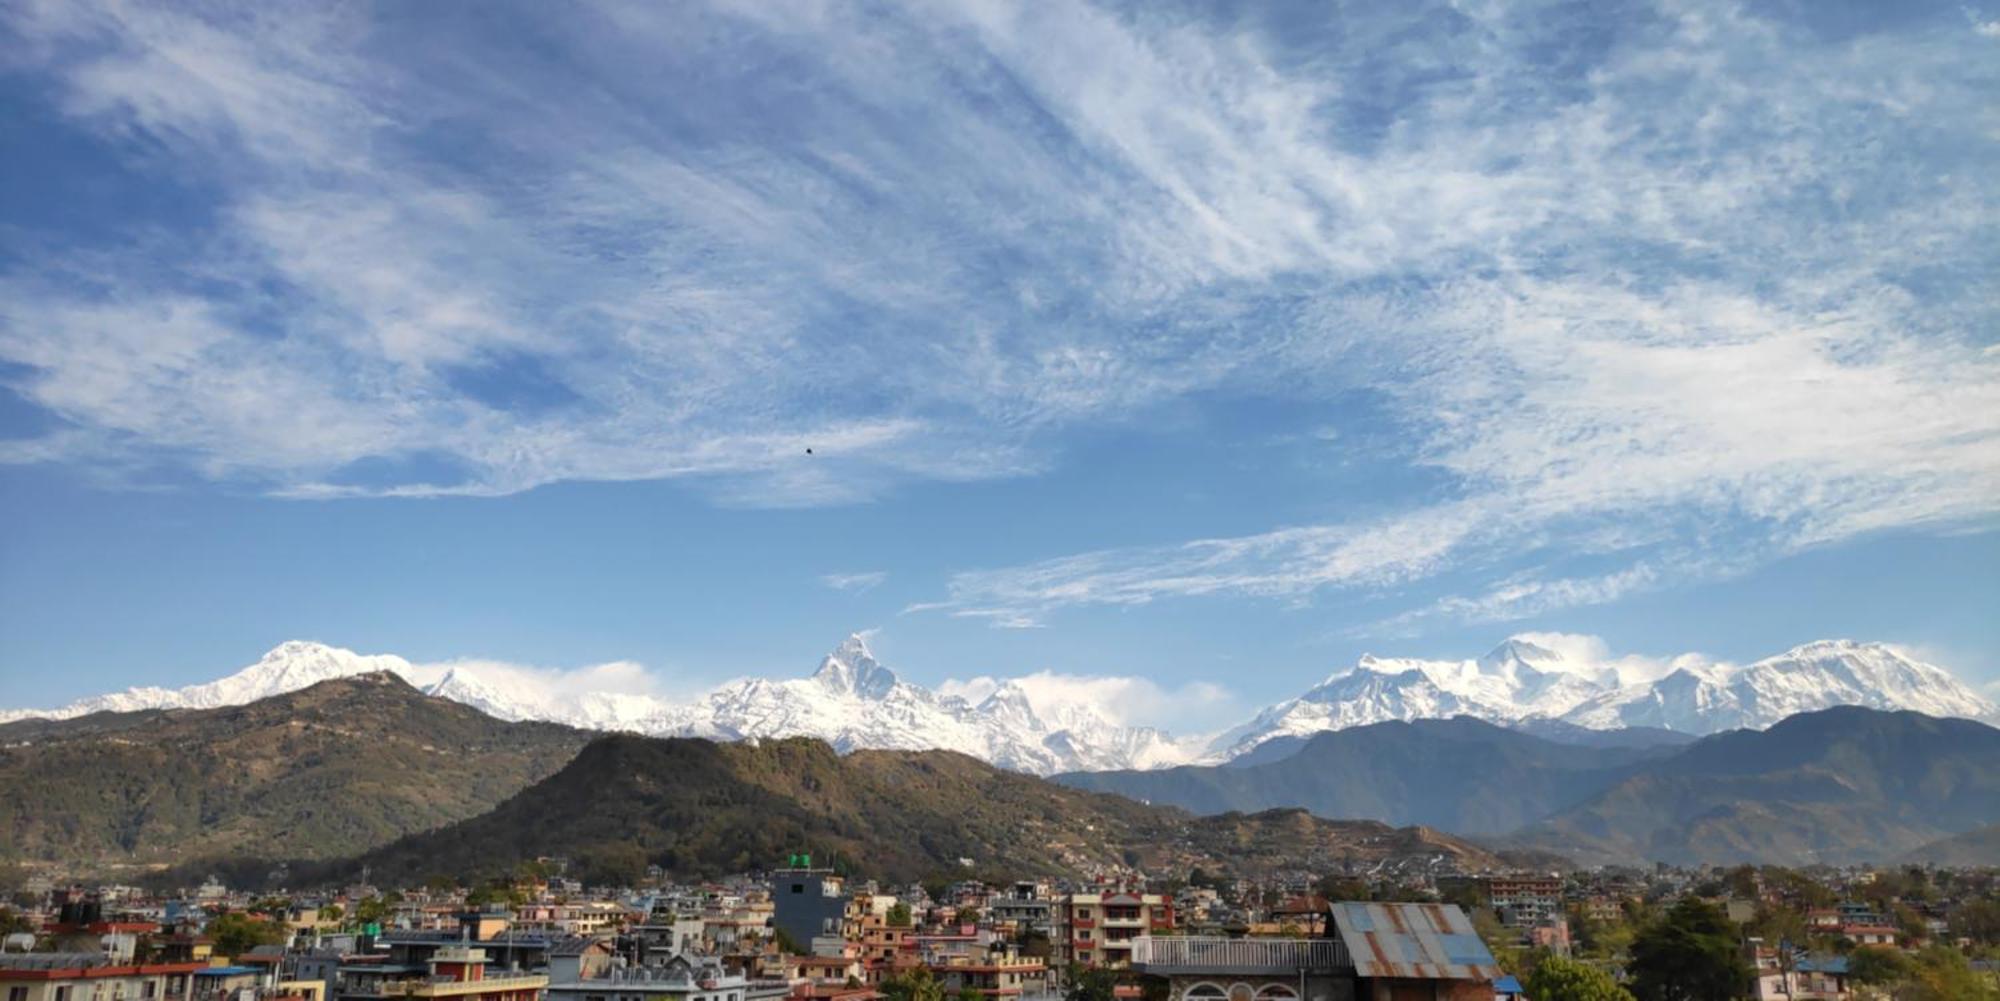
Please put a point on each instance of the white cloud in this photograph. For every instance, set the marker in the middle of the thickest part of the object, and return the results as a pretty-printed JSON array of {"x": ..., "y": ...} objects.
[
  {"x": 1192, "y": 708},
  {"x": 863, "y": 581},
  {"x": 1711, "y": 295}
]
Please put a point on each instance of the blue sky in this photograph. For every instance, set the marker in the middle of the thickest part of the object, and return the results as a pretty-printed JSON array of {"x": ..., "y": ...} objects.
[{"x": 1127, "y": 340}]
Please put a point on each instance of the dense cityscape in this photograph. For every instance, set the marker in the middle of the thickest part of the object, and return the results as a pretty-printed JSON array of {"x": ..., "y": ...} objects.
[{"x": 806, "y": 933}]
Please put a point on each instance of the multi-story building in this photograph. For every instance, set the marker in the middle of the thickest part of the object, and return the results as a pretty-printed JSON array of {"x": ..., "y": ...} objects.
[
  {"x": 1022, "y": 909},
  {"x": 458, "y": 973},
  {"x": 92, "y": 976},
  {"x": 1372, "y": 952},
  {"x": 681, "y": 978},
  {"x": 975, "y": 963},
  {"x": 1098, "y": 929},
  {"x": 808, "y": 903},
  {"x": 1524, "y": 901}
]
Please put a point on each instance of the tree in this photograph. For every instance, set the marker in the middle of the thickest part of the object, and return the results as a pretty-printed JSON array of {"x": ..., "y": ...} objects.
[
  {"x": 1978, "y": 921},
  {"x": 1690, "y": 955},
  {"x": 1500, "y": 939},
  {"x": 1034, "y": 944},
  {"x": 1559, "y": 979},
  {"x": 970, "y": 993},
  {"x": 1090, "y": 984},
  {"x": 235, "y": 934},
  {"x": 371, "y": 910},
  {"x": 332, "y": 912},
  {"x": 899, "y": 915},
  {"x": 1941, "y": 974},
  {"x": 1876, "y": 965},
  {"x": 786, "y": 943},
  {"x": 913, "y": 985},
  {"x": 1339, "y": 888}
]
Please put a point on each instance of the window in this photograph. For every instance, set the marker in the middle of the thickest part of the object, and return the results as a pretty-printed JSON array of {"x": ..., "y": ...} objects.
[
  {"x": 1205, "y": 992},
  {"x": 798, "y": 888},
  {"x": 1277, "y": 992},
  {"x": 150, "y": 989},
  {"x": 17, "y": 994},
  {"x": 62, "y": 993}
]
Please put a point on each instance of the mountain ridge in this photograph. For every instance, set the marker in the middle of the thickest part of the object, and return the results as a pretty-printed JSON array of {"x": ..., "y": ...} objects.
[
  {"x": 854, "y": 702},
  {"x": 319, "y": 772}
]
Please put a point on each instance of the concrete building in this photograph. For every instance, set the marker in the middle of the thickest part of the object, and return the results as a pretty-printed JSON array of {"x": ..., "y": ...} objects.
[
  {"x": 1374, "y": 952},
  {"x": 1099, "y": 929},
  {"x": 1524, "y": 901},
  {"x": 92, "y": 976},
  {"x": 682, "y": 978},
  {"x": 1024, "y": 907},
  {"x": 459, "y": 973},
  {"x": 808, "y": 903}
]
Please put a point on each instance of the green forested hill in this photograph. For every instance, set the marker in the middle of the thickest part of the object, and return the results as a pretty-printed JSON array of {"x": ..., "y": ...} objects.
[
  {"x": 331, "y": 770},
  {"x": 700, "y": 808}
]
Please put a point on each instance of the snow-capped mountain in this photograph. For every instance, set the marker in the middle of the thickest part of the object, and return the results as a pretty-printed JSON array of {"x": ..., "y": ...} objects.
[
  {"x": 1521, "y": 681},
  {"x": 1813, "y": 676},
  {"x": 288, "y": 667},
  {"x": 853, "y": 702}
]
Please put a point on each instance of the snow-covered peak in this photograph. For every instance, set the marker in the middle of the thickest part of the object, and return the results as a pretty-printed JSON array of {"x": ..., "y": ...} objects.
[
  {"x": 1582, "y": 685},
  {"x": 287, "y": 667},
  {"x": 1509, "y": 657},
  {"x": 851, "y": 669}
]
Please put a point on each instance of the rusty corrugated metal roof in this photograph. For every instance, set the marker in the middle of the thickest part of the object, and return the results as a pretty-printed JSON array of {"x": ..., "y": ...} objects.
[{"x": 1428, "y": 941}]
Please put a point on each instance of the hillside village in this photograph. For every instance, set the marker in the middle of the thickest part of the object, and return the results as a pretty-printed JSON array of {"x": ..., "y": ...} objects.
[{"x": 801, "y": 932}]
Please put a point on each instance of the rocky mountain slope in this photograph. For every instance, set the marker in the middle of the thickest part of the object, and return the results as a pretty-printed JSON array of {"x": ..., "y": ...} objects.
[
  {"x": 332, "y": 769},
  {"x": 701, "y": 808}
]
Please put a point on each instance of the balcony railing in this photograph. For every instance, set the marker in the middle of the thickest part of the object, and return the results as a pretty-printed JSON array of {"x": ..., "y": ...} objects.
[{"x": 1191, "y": 954}]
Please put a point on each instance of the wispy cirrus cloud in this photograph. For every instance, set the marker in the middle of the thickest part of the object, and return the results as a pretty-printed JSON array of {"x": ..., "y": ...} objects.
[
  {"x": 863, "y": 581},
  {"x": 1656, "y": 292}
]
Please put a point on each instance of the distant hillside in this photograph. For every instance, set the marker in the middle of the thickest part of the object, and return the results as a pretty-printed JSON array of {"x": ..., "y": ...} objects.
[
  {"x": 1973, "y": 848},
  {"x": 701, "y": 808},
  {"x": 1461, "y": 774},
  {"x": 1839, "y": 785},
  {"x": 330, "y": 770}
]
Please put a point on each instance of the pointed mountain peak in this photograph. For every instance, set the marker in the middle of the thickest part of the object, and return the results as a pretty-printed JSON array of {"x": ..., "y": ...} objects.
[
  {"x": 851, "y": 669},
  {"x": 1519, "y": 651}
]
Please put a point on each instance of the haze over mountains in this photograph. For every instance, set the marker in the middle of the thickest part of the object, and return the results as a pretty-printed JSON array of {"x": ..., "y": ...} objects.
[
  {"x": 854, "y": 702},
  {"x": 1843, "y": 784},
  {"x": 367, "y": 770}
]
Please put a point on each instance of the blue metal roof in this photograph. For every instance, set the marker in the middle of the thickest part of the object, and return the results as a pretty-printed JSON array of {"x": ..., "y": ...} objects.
[
  {"x": 1426, "y": 941},
  {"x": 1507, "y": 985},
  {"x": 226, "y": 971}
]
